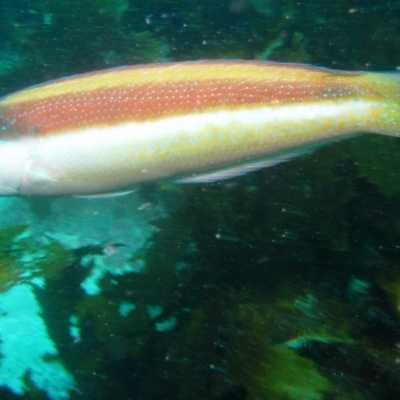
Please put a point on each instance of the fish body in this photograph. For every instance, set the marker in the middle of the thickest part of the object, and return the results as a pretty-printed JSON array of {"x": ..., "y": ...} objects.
[{"x": 193, "y": 121}]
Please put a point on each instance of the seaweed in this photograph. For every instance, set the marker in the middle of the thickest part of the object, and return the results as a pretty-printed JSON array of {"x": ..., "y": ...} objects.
[{"x": 25, "y": 257}]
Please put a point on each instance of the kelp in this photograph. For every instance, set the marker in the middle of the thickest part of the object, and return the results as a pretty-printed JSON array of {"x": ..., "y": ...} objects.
[
  {"x": 282, "y": 345},
  {"x": 24, "y": 257},
  {"x": 378, "y": 160},
  {"x": 265, "y": 370}
]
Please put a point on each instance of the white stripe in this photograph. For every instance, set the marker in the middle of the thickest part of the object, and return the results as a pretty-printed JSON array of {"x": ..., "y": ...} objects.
[
  {"x": 111, "y": 156},
  {"x": 167, "y": 128}
]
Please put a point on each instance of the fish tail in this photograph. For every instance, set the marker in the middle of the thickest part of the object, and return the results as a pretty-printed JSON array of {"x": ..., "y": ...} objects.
[{"x": 385, "y": 113}]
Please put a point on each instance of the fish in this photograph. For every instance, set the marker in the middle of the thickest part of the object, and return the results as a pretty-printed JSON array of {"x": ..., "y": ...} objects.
[{"x": 108, "y": 131}]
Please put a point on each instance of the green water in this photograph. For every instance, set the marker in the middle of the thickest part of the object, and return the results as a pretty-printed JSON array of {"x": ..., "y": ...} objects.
[{"x": 280, "y": 285}]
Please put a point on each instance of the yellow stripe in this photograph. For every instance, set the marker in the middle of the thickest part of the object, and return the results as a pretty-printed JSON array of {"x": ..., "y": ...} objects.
[{"x": 167, "y": 74}]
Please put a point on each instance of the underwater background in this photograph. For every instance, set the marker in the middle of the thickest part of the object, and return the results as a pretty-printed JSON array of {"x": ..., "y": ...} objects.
[{"x": 283, "y": 284}]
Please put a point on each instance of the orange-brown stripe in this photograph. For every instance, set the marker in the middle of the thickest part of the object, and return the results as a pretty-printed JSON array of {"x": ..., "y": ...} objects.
[{"x": 115, "y": 105}]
